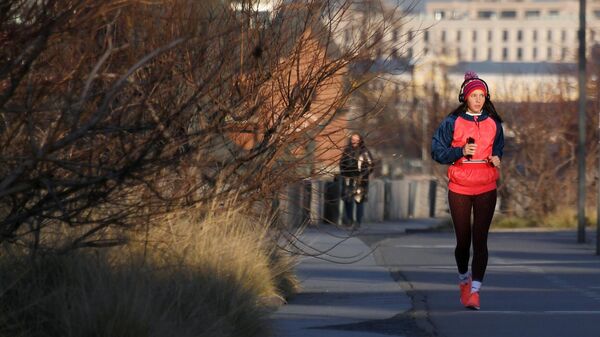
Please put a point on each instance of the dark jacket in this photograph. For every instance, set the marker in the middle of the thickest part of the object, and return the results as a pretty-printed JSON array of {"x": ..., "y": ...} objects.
[{"x": 355, "y": 167}]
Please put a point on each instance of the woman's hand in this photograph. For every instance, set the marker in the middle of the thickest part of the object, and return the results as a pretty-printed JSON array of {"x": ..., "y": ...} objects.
[
  {"x": 469, "y": 149},
  {"x": 495, "y": 160}
]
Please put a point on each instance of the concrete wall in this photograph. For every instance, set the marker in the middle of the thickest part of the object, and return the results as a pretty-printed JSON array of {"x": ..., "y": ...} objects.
[
  {"x": 441, "y": 200},
  {"x": 318, "y": 201},
  {"x": 398, "y": 201},
  {"x": 375, "y": 206}
]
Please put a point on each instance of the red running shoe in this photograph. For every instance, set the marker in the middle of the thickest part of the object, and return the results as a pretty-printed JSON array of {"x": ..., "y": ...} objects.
[
  {"x": 465, "y": 291},
  {"x": 473, "y": 302}
]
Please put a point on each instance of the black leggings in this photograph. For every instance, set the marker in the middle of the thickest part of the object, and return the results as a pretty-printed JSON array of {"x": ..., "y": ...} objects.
[{"x": 483, "y": 210}]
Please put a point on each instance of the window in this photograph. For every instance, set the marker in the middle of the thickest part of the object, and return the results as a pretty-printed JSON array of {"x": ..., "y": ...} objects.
[
  {"x": 508, "y": 14},
  {"x": 534, "y": 53},
  {"x": 563, "y": 54},
  {"x": 474, "y": 54},
  {"x": 549, "y": 36},
  {"x": 490, "y": 35},
  {"x": 554, "y": 12},
  {"x": 474, "y": 36},
  {"x": 347, "y": 35},
  {"x": 458, "y": 54},
  {"x": 486, "y": 14},
  {"x": 444, "y": 36},
  {"x": 410, "y": 35},
  {"x": 504, "y": 54},
  {"x": 549, "y": 54},
  {"x": 520, "y": 54},
  {"x": 489, "y": 54},
  {"x": 426, "y": 36},
  {"x": 532, "y": 14},
  {"x": 444, "y": 51},
  {"x": 563, "y": 35},
  {"x": 425, "y": 51},
  {"x": 394, "y": 53},
  {"x": 535, "y": 35},
  {"x": 458, "y": 36},
  {"x": 457, "y": 15},
  {"x": 395, "y": 35},
  {"x": 410, "y": 53},
  {"x": 597, "y": 13},
  {"x": 519, "y": 35},
  {"x": 439, "y": 14},
  {"x": 505, "y": 35}
]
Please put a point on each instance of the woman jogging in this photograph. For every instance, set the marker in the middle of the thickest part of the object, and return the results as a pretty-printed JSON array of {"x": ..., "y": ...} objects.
[
  {"x": 355, "y": 166},
  {"x": 471, "y": 140}
]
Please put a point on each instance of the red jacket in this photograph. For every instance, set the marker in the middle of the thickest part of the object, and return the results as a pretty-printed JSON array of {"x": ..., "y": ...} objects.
[{"x": 466, "y": 177}]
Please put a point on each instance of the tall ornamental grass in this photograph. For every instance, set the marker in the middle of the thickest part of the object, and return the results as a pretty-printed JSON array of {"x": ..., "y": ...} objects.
[{"x": 213, "y": 276}]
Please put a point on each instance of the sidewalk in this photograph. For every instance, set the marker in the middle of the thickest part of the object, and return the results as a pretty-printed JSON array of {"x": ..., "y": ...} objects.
[{"x": 344, "y": 286}]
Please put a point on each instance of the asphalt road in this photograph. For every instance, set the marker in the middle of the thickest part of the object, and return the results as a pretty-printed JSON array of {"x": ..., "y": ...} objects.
[{"x": 536, "y": 284}]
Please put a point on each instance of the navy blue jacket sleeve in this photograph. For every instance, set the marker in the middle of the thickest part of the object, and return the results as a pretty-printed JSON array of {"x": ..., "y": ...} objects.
[
  {"x": 441, "y": 144},
  {"x": 498, "y": 148}
]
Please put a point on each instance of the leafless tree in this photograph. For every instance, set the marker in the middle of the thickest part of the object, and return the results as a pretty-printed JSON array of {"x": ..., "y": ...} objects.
[{"x": 114, "y": 113}]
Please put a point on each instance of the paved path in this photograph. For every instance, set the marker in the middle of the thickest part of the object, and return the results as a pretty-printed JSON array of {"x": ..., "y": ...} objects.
[
  {"x": 537, "y": 284},
  {"x": 345, "y": 293}
]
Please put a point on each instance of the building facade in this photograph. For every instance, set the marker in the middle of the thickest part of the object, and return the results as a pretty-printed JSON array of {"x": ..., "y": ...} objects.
[
  {"x": 501, "y": 30},
  {"x": 527, "y": 49}
]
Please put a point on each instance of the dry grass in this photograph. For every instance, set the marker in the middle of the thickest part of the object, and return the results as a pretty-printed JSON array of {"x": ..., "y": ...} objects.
[
  {"x": 567, "y": 218},
  {"x": 191, "y": 277},
  {"x": 502, "y": 221},
  {"x": 563, "y": 218}
]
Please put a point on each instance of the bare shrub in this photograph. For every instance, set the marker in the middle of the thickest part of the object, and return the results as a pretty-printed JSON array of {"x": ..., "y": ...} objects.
[{"x": 118, "y": 112}]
